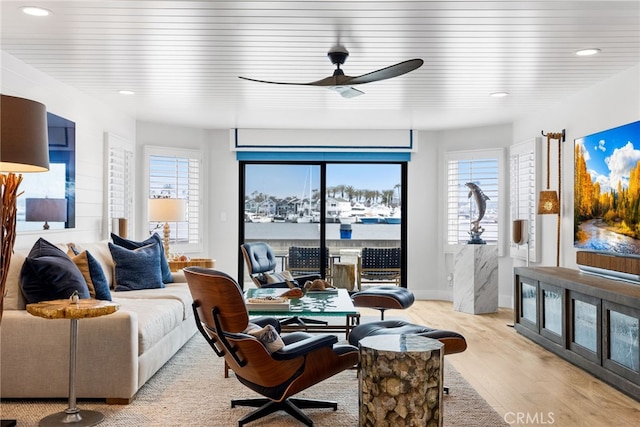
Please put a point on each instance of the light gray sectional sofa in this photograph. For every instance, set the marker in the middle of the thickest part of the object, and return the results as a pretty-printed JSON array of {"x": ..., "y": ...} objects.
[{"x": 117, "y": 354}]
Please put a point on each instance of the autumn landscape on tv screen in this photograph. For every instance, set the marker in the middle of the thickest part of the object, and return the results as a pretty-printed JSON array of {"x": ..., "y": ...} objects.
[{"x": 607, "y": 191}]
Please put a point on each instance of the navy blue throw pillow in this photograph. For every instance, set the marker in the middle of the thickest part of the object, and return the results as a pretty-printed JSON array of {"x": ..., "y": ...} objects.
[
  {"x": 94, "y": 276},
  {"x": 49, "y": 274},
  {"x": 136, "y": 269},
  {"x": 154, "y": 239}
]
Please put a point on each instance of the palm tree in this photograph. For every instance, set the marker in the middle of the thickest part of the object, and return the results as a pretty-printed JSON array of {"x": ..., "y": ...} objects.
[{"x": 350, "y": 192}]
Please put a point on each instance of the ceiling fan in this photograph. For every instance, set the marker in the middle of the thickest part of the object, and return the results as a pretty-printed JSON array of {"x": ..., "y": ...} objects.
[{"x": 342, "y": 84}]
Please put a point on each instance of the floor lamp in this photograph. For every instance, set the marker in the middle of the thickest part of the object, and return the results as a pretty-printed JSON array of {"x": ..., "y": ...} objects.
[
  {"x": 24, "y": 147},
  {"x": 167, "y": 210},
  {"x": 549, "y": 202}
]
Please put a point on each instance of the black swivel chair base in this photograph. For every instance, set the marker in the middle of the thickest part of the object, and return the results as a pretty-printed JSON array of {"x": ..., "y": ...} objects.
[{"x": 291, "y": 406}]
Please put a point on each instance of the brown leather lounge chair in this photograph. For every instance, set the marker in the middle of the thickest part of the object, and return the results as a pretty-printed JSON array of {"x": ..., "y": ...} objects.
[{"x": 305, "y": 360}]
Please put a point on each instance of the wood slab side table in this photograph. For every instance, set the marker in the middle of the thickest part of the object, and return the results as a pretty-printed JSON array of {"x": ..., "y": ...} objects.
[{"x": 65, "y": 309}]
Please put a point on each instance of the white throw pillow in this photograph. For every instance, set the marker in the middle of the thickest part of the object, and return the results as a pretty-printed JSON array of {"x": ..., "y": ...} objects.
[{"x": 268, "y": 336}]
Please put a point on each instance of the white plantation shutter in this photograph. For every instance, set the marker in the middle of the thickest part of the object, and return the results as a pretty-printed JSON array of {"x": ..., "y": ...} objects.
[
  {"x": 120, "y": 181},
  {"x": 523, "y": 158},
  {"x": 482, "y": 168},
  {"x": 175, "y": 173}
]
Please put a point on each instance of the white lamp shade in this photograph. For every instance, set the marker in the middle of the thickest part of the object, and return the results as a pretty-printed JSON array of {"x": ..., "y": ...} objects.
[
  {"x": 167, "y": 210},
  {"x": 24, "y": 139}
]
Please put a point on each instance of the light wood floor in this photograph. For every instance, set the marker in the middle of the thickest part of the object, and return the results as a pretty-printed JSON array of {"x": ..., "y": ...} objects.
[{"x": 516, "y": 376}]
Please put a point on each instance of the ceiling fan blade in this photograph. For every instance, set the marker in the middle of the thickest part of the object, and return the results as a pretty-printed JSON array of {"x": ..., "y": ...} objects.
[
  {"x": 339, "y": 80},
  {"x": 387, "y": 73},
  {"x": 274, "y": 83},
  {"x": 346, "y": 91}
]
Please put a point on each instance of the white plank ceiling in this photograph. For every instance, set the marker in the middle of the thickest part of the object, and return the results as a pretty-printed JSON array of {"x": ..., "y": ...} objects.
[{"x": 183, "y": 58}]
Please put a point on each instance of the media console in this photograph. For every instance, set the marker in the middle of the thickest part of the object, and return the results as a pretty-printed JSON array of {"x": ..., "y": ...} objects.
[{"x": 592, "y": 322}]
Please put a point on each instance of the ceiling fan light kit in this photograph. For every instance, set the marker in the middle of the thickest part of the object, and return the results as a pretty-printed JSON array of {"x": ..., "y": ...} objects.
[{"x": 342, "y": 84}]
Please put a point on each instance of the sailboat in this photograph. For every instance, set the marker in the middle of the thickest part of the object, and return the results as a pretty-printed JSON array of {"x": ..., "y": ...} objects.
[{"x": 307, "y": 215}]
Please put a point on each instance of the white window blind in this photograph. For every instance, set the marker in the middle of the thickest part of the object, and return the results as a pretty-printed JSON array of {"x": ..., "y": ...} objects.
[
  {"x": 483, "y": 168},
  {"x": 120, "y": 181},
  {"x": 523, "y": 159},
  {"x": 176, "y": 174}
]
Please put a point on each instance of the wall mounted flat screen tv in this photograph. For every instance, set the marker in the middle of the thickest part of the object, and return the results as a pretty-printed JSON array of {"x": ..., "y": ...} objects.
[{"x": 607, "y": 191}]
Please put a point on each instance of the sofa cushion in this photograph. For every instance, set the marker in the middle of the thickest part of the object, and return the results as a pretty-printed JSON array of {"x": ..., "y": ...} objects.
[
  {"x": 136, "y": 268},
  {"x": 173, "y": 291},
  {"x": 156, "y": 318},
  {"x": 14, "y": 298},
  {"x": 154, "y": 239},
  {"x": 48, "y": 274},
  {"x": 93, "y": 275}
]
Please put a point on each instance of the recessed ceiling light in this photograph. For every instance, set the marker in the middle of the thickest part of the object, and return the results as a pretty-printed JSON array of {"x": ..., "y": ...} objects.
[
  {"x": 126, "y": 92},
  {"x": 35, "y": 11},
  {"x": 499, "y": 94},
  {"x": 587, "y": 52}
]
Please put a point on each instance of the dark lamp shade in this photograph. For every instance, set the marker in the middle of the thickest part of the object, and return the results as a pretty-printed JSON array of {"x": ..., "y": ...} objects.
[
  {"x": 548, "y": 203},
  {"x": 54, "y": 210},
  {"x": 24, "y": 141}
]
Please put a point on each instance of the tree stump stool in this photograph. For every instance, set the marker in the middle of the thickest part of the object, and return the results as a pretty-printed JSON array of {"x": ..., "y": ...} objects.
[
  {"x": 344, "y": 275},
  {"x": 400, "y": 381}
]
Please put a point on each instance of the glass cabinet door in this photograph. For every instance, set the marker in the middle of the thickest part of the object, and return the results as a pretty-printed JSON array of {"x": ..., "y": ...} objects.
[
  {"x": 529, "y": 304},
  {"x": 586, "y": 332},
  {"x": 553, "y": 315},
  {"x": 622, "y": 340}
]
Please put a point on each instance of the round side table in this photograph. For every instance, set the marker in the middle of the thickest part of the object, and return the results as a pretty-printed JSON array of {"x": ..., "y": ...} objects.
[
  {"x": 65, "y": 309},
  {"x": 400, "y": 379}
]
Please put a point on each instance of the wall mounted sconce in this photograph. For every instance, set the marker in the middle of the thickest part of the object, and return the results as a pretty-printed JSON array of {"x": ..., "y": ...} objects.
[
  {"x": 549, "y": 201},
  {"x": 38, "y": 210}
]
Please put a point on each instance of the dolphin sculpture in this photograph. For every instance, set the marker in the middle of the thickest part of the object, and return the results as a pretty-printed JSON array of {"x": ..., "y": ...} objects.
[{"x": 481, "y": 202}]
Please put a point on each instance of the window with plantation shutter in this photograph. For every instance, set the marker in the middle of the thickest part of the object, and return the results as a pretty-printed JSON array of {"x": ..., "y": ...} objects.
[
  {"x": 523, "y": 158},
  {"x": 119, "y": 182},
  {"x": 175, "y": 173},
  {"x": 482, "y": 168}
]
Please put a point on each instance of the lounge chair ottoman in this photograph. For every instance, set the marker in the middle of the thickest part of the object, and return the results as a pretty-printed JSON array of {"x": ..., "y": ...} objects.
[
  {"x": 384, "y": 298},
  {"x": 453, "y": 341}
]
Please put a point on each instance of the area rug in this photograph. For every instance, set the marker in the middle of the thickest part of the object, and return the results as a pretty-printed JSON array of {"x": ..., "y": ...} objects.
[{"x": 190, "y": 390}]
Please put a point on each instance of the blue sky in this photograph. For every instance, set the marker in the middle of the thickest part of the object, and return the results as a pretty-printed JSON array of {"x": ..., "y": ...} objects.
[
  {"x": 293, "y": 180},
  {"x": 611, "y": 154}
]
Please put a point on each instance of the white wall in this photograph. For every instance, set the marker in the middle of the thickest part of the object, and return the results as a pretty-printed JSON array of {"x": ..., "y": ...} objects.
[{"x": 92, "y": 119}]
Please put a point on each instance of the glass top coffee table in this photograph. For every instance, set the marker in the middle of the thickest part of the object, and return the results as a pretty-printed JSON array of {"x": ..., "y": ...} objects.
[{"x": 322, "y": 304}]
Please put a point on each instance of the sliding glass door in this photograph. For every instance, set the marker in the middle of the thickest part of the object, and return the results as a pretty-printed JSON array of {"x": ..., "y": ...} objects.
[{"x": 328, "y": 210}]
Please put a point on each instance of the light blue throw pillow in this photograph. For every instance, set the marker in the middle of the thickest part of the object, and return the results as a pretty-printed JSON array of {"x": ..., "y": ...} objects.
[{"x": 136, "y": 268}]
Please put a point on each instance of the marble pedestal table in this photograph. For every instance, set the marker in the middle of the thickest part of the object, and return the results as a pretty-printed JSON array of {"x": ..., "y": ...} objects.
[
  {"x": 475, "y": 279},
  {"x": 400, "y": 381},
  {"x": 65, "y": 309}
]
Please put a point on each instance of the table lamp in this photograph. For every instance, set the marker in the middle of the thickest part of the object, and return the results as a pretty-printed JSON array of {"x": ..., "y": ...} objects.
[
  {"x": 54, "y": 210},
  {"x": 24, "y": 147},
  {"x": 166, "y": 210}
]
